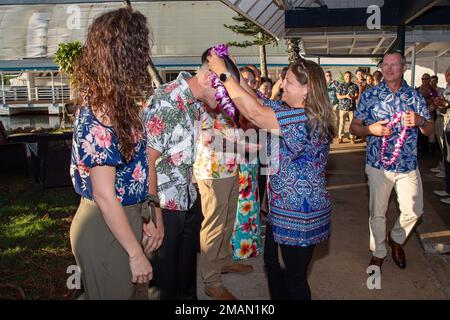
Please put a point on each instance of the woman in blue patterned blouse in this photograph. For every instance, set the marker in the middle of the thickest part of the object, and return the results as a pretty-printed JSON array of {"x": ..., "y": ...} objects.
[
  {"x": 299, "y": 205},
  {"x": 109, "y": 165}
]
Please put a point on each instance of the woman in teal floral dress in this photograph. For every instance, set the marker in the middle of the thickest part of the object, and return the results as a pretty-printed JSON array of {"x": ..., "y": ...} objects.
[{"x": 246, "y": 237}]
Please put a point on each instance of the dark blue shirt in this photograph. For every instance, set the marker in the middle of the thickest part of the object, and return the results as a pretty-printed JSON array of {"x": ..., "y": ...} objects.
[
  {"x": 347, "y": 88},
  {"x": 95, "y": 144}
]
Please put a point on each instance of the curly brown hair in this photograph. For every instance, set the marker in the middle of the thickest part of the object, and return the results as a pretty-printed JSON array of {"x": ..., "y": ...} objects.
[{"x": 111, "y": 73}]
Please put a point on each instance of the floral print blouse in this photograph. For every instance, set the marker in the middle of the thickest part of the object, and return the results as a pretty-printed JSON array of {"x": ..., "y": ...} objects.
[
  {"x": 95, "y": 144},
  {"x": 213, "y": 161}
]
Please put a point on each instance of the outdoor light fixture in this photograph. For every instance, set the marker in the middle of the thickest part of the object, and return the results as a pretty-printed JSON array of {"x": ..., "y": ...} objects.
[{"x": 316, "y": 4}]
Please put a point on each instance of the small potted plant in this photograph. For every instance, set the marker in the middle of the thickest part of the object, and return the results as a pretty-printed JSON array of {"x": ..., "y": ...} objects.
[{"x": 65, "y": 58}]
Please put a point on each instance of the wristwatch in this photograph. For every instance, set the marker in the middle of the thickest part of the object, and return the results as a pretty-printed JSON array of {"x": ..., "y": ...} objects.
[{"x": 224, "y": 76}]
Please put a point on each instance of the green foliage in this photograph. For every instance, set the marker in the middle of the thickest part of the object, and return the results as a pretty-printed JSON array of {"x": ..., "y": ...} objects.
[
  {"x": 7, "y": 79},
  {"x": 66, "y": 56},
  {"x": 34, "y": 238},
  {"x": 250, "y": 29},
  {"x": 293, "y": 49}
]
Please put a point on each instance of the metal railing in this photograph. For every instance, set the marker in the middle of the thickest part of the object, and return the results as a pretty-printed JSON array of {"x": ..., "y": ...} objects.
[
  {"x": 18, "y": 94},
  {"x": 30, "y": 93}
]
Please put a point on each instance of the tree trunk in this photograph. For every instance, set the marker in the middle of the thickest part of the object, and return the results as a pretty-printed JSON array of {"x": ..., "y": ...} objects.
[
  {"x": 157, "y": 80},
  {"x": 293, "y": 46},
  {"x": 262, "y": 61},
  {"x": 155, "y": 74},
  {"x": 262, "y": 56}
]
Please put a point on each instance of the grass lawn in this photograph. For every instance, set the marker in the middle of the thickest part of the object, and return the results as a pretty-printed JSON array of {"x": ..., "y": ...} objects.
[{"x": 34, "y": 239}]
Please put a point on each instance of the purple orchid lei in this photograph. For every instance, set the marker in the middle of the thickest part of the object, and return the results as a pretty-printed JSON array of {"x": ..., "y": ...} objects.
[
  {"x": 221, "y": 95},
  {"x": 398, "y": 144}
]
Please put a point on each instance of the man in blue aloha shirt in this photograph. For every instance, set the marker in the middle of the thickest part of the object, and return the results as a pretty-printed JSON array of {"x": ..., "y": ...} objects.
[
  {"x": 376, "y": 108},
  {"x": 347, "y": 93},
  {"x": 332, "y": 90}
]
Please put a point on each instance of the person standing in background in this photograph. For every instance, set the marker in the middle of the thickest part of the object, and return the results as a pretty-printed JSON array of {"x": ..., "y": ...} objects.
[
  {"x": 347, "y": 94},
  {"x": 332, "y": 90}
]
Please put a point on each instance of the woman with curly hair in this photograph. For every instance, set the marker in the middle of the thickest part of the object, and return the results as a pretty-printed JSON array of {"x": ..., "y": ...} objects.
[{"x": 109, "y": 168}]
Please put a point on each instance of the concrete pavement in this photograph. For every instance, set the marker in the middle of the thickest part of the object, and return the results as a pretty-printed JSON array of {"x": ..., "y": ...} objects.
[{"x": 338, "y": 269}]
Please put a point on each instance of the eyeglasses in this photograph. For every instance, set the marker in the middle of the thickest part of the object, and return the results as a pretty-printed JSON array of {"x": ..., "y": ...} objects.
[
  {"x": 392, "y": 65},
  {"x": 425, "y": 78}
]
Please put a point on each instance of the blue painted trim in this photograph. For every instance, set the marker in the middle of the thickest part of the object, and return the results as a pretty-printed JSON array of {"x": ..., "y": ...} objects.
[
  {"x": 31, "y": 69},
  {"x": 184, "y": 66}
]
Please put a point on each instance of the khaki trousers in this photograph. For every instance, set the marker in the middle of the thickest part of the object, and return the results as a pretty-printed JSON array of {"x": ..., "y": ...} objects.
[
  {"x": 343, "y": 116},
  {"x": 408, "y": 187},
  {"x": 336, "y": 113},
  {"x": 439, "y": 130},
  {"x": 219, "y": 204},
  {"x": 104, "y": 264}
]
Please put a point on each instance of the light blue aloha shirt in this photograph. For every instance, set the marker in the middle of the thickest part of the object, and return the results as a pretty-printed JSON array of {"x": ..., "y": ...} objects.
[{"x": 380, "y": 103}]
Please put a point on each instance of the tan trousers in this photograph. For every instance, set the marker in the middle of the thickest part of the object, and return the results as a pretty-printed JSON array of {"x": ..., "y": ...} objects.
[
  {"x": 336, "y": 113},
  {"x": 219, "y": 204},
  {"x": 408, "y": 187},
  {"x": 104, "y": 264},
  {"x": 343, "y": 116},
  {"x": 439, "y": 130}
]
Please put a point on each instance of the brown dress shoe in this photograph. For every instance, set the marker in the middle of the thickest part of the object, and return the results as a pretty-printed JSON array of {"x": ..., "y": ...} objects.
[
  {"x": 219, "y": 293},
  {"x": 375, "y": 261},
  {"x": 237, "y": 268},
  {"x": 340, "y": 140},
  {"x": 397, "y": 253}
]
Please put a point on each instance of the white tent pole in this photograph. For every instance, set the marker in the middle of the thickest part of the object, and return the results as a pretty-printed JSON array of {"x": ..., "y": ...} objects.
[
  {"x": 53, "y": 89},
  {"x": 62, "y": 88}
]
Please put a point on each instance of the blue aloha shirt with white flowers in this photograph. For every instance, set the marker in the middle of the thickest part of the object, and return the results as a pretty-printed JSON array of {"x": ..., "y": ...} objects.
[
  {"x": 380, "y": 103},
  {"x": 95, "y": 144},
  {"x": 347, "y": 88}
]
